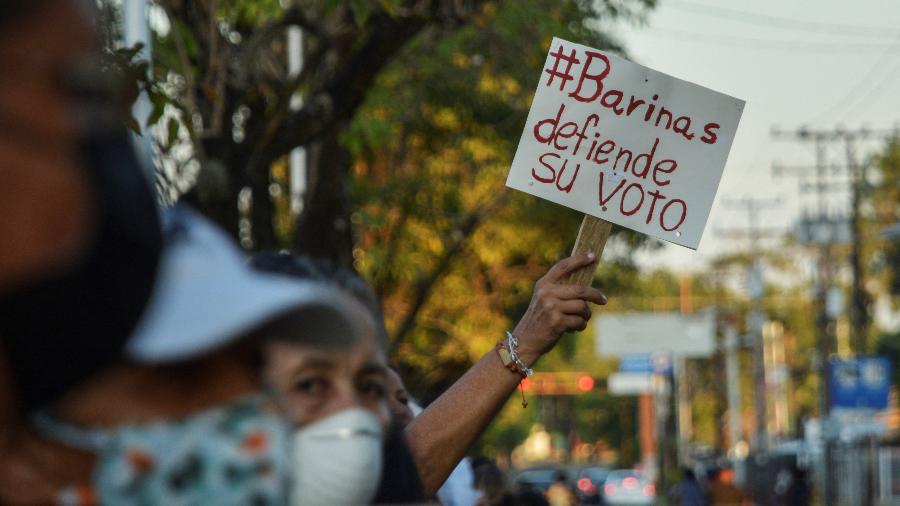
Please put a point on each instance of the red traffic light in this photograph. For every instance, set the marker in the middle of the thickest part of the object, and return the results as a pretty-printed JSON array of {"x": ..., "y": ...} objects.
[{"x": 585, "y": 383}]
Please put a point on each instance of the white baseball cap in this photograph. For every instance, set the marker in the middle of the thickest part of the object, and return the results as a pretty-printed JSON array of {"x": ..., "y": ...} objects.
[{"x": 206, "y": 296}]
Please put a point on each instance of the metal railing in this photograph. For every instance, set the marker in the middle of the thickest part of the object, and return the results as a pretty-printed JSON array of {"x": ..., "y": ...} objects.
[{"x": 864, "y": 474}]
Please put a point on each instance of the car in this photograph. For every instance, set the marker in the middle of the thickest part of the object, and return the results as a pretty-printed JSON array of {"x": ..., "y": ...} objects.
[
  {"x": 538, "y": 478},
  {"x": 589, "y": 483},
  {"x": 628, "y": 487}
]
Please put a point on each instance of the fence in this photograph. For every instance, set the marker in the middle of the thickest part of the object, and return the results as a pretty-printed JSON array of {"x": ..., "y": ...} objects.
[{"x": 864, "y": 474}]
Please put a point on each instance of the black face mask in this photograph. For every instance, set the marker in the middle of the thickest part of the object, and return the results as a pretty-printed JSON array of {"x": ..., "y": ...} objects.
[{"x": 59, "y": 331}]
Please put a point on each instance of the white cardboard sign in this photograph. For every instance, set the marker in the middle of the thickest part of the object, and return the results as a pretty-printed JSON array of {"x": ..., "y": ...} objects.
[{"x": 625, "y": 143}]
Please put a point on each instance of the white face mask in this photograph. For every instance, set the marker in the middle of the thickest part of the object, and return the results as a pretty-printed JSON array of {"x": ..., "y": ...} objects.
[{"x": 337, "y": 460}]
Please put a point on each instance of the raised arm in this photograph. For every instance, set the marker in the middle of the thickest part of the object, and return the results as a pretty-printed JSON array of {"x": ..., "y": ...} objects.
[{"x": 443, "y": 433}]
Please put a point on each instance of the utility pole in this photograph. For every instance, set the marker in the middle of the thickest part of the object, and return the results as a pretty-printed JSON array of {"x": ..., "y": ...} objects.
[
  {"x": 859, "y": 312},
  {"x": 733, "y": 384},
  {"x": 859, "y": 306},
  {"x": 859, "y": 315},
  {"x": 756, "y": 317},
  {"x": 822, "y": 282}
]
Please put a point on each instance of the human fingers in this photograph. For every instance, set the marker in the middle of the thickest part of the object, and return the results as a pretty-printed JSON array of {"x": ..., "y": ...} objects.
[
  {"x": 572, "y": 322},
  {"x": 575, "y": 307},
  {"x": 567, "y": 266},
  {"x": 568, "y": 292}
]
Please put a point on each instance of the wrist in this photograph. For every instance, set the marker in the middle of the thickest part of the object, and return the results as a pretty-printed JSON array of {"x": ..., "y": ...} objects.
[
  {"x": 508, "y": 352},
  {"x": 512, "y": 345},
  {"x": 528, "y": 352},
  {"x": 528, "y": 357}
]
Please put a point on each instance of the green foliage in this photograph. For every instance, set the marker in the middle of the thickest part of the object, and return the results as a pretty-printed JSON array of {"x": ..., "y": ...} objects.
[
  {"x": 885, "y": 198},
  {"x": 889, "y": 346}
]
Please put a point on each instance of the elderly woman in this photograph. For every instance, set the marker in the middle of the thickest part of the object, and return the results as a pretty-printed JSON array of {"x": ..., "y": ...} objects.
[{"x": 443, "y": 433}]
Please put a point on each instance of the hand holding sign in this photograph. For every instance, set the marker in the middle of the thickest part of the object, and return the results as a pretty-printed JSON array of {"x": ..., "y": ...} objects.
[
  {"x": 556, "y": 307},
  {"x": 625, "y": 144}
]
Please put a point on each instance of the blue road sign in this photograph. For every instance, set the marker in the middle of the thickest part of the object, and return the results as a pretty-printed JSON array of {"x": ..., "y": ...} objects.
[
  {"x": 635, "y": 362},
  {"x": 861, "y": 382},
  {"x": 659, "y": 363}
]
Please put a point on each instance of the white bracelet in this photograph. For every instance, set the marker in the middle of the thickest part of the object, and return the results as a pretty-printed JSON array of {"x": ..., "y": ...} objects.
[{"x": 513, "y": 345}]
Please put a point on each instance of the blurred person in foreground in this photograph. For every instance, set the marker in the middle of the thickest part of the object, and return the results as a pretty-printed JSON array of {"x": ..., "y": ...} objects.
[
  {"x": 79, "y": 223},
  {"x": 442, "y": 434},
  {"x": 187, "y": 415},
  {"x": 80, "y": 230}
]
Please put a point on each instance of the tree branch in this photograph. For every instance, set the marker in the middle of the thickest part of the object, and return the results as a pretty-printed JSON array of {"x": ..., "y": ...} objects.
[
  {"x": 457, "y": 239},
  {"x": 344, "y": 90}
]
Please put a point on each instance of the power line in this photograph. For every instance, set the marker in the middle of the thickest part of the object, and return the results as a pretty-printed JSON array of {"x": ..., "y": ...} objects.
[
  {"x": 866, "y": 101},
  {"x": 866, "y": 80},
  {"x": 769, "y": 44},
  {"x": 785, "y": 23}
]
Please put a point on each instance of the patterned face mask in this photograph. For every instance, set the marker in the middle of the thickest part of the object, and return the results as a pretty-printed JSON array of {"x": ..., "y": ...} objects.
[
  {"x": 239, "y": 454},
  {"x": 232, "y": 455}
]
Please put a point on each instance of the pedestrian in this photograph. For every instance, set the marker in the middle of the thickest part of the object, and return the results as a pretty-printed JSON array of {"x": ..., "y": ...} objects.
[
  {"x": 722, "y": 491},
  {"x": 688, "y": 491},
  {"x": 791, "y": 486},
  {"x": 491, "y": 484},
  {"x": 559, "y": 493}
]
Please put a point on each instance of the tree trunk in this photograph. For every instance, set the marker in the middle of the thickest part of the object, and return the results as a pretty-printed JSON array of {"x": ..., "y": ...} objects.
[
  {"x": 323, "y": 230},
  {"x": 261, "y": 214}
]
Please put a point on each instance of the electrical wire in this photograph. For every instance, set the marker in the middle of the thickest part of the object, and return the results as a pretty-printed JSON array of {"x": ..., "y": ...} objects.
[
  {"x": 864, "y": 82},
  {"x": 865, "y": 102}
]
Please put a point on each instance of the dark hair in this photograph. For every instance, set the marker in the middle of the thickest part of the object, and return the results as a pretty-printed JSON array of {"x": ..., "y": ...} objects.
[
  {"x": 323, "y": 271},
  {"x": 490, "y": 480}
]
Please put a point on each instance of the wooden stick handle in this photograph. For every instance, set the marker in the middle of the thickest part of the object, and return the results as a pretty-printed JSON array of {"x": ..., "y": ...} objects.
[{"x": 592, "y": 237}]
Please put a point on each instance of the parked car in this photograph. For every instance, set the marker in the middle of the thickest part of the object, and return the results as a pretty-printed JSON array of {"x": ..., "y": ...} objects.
[
  {"x": 537, "y": 478},
  {"x": 628, "y": 487},
  {"x": 589, "y": 483}
]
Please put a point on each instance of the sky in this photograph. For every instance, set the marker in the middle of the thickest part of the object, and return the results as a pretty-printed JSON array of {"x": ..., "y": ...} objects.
[{"x": 823, "y": 64}]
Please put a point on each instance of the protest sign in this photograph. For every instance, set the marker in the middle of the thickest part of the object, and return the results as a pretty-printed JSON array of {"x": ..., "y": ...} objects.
[{"x": 625, "y": 144}]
